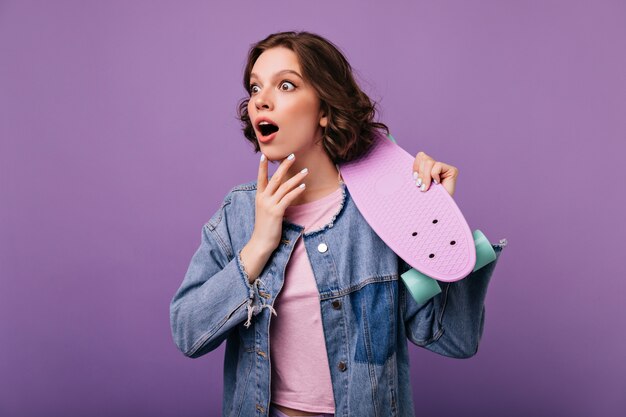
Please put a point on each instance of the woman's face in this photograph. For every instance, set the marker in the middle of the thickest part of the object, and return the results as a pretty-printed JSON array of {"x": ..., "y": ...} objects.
[{"x": 280, "y": 96}]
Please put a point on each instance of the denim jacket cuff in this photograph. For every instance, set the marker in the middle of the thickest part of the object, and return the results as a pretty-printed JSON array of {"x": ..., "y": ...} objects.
[{"x": 256, "y": 303}]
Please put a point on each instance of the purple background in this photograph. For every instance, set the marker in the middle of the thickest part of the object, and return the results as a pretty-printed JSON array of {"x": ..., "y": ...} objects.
[{"x": 119, "y": 140}]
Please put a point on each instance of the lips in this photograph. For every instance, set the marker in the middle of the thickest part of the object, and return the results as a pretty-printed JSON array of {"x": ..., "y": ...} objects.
[{"x": 267, "y": 128}]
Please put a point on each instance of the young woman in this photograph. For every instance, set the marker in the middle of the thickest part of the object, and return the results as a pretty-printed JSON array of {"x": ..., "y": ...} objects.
[{"x": 293, "y": 251}]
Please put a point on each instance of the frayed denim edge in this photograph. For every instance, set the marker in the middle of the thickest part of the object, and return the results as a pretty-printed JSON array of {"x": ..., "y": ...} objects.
[{"x": 253, "y": 293}]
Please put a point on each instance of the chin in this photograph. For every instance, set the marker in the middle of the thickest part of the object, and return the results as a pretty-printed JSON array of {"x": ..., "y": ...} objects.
[
  {"x": 271, "y": 158},
  {"x": 275, "y": 155}
]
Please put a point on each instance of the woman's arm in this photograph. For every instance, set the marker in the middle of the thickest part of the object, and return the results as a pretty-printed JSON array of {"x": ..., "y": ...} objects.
[
  {"x": 451, "y": 323},
  {"x": 216, "y": 294}
]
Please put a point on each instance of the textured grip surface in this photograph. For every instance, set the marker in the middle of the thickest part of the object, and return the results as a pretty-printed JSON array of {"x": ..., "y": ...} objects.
[{"x": 426, "y": 229}]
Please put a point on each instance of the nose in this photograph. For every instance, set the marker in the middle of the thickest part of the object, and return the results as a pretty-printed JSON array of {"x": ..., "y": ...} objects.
[{"x": 262, "y": 101}]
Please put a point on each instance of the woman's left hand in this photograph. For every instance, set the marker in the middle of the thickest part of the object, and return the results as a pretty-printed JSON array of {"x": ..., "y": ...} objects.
[{"x": 425, "y": 168}]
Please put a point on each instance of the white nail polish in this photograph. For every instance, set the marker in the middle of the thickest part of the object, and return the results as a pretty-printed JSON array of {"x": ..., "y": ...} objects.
[
  {"x": 435, "y": 181},
  {"x": 419, "y": 182},
  {"x": 414, "y": 175},
  {"x": 262, "y": 157},
  {"x": 304, "y": 171},
  {"x": 291, "y": 156},
  {"x": 423, "y": 187}
]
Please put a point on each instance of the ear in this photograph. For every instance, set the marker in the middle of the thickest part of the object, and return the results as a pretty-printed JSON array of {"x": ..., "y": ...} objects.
[{"x": 323, "y": 119}]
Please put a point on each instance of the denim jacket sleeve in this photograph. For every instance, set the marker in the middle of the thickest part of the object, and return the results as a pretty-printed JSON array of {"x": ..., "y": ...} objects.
[
  {"x": 451, "y": 323},
  {"x": 215, "y": 295}
]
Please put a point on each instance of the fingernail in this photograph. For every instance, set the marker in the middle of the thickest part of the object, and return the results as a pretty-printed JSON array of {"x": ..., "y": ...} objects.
[
  {"x": 435, "y": 181},
  {"x": 304, "y": 171},
  {"x": 414, "y": 175},
  {"x": 262, "y": 157},
  {"x": 423, "y": 187},
  {"x": 291, "y": 156},
  {"x": 419, "y": 182}
]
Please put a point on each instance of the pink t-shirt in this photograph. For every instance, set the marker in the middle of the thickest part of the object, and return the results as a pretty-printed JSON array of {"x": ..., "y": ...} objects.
[{"x": 300, "y": 370}]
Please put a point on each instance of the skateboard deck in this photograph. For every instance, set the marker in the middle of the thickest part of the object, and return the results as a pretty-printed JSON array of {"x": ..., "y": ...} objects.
[{"x": 426, "y": 229}]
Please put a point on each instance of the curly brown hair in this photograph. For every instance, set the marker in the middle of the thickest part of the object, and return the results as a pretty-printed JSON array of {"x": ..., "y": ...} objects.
[{"x": 351, "y": 127}]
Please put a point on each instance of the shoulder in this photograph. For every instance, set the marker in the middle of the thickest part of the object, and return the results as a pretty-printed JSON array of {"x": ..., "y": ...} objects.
[
  {"x": 246, "y": 187},
  {"x": 239, "y": 200}
]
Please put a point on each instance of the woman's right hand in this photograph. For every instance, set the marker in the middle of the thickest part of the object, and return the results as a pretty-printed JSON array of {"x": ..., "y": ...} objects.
[{"x": 272, "y": 199}]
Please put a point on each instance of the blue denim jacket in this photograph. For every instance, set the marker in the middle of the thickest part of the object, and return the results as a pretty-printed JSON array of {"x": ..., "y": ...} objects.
[{"x": 367, "y": 312}]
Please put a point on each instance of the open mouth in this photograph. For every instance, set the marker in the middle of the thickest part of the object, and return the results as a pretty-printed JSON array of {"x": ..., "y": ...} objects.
[{"x": 267, "y": 128}]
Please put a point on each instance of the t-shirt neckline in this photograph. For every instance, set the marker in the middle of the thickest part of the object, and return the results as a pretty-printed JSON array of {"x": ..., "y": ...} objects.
[{"x": 316, "y": 203}]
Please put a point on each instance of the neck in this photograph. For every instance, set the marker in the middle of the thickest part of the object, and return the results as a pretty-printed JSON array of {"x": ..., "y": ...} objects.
[{"x": 323, "y": 177}]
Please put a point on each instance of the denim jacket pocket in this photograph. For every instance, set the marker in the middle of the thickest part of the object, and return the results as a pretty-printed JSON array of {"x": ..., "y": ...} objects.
[{"x": 373, "y": 308}]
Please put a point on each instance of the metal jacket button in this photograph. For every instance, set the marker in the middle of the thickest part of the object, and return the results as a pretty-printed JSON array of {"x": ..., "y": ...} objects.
[
  {"x": 322, "y": 247},
  {"x": 342, "y": 366},
  {"x": 336, "y": 304}
]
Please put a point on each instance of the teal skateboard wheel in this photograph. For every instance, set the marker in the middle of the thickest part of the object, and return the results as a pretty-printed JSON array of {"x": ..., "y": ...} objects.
[{"x": 422, "y": 287}]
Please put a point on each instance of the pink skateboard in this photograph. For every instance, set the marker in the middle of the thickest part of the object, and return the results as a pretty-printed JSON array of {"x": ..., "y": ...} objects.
[{"x": 426, "y": 229}]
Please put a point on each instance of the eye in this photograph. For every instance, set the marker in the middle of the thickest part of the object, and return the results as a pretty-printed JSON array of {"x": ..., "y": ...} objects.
[
  {"x": 287, "y": 83},
  {"x": 252, "y": 88}
]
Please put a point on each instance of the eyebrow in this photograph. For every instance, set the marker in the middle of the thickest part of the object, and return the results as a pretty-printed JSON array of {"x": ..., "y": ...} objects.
[{"x": 286, "y": 71}]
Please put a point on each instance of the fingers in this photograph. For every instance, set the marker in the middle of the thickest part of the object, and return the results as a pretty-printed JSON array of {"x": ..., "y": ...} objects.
[
  {"x": 261, "y": 182},
  {"x": 279, "y": 175},
  {"x": 422, "y": 168},
  {"x": 282, "y": 193},
  {"x": 286, "y": 194},
  {"x": 426, "y": 169},
  {"x": 435, "y": 173}
]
